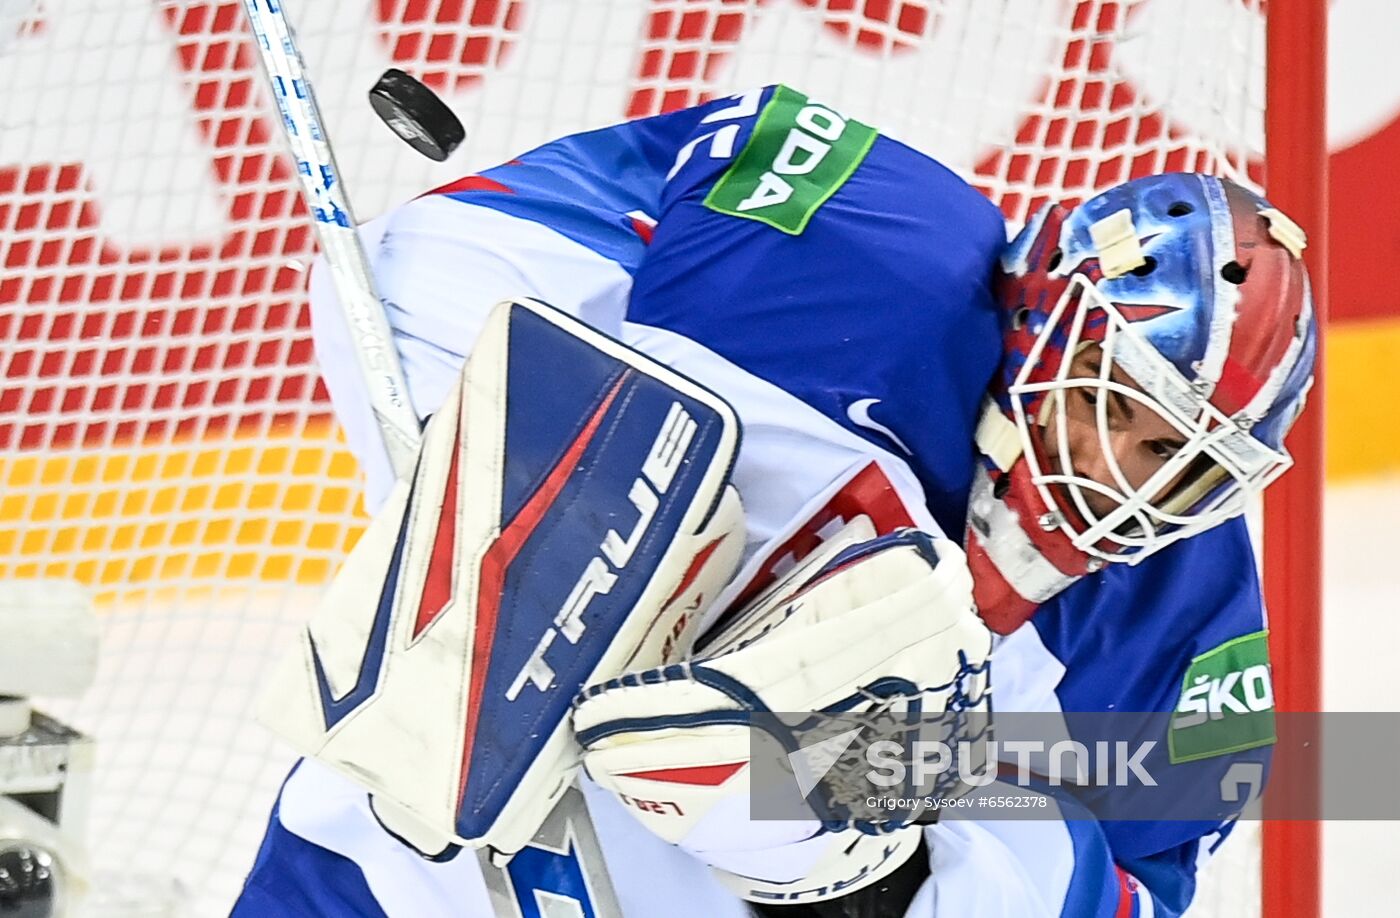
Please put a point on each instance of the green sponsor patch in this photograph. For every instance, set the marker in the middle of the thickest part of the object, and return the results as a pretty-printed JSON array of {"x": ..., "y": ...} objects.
[
  {"x": 1227, "y": 701},
  {"x": 799, "y": 154}
]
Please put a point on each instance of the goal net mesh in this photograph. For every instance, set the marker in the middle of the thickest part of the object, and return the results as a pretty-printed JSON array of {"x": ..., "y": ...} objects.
[{"x": 164, "y": 437}]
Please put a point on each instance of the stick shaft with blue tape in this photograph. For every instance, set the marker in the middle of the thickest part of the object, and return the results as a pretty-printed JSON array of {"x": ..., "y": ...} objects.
[{"x": 334, "y": 223}]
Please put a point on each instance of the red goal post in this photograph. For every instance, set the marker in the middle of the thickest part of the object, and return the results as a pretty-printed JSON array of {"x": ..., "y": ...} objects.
[
  {"x": 163, "y": 434},
  {"x": 1296, "y": 180}
]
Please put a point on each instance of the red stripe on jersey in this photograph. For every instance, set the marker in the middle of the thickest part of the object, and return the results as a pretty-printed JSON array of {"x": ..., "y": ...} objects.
[
  {"x": 869, "y": 492},
  {"x": 705, "y": 775},
  {"x": 473, "y": 183},
  {"x": 1127, "y": 895}
]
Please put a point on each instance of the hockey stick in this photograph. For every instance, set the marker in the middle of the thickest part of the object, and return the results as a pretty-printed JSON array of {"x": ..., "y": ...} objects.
[
  {"x": 334, "y": 224},
  {"x": 567, "y": 834}
]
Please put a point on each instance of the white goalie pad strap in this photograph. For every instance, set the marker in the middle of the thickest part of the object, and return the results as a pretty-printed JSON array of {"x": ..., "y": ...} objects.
[
  {"x": 569, "y": 518},
  {"x": 857, "y": 613}
]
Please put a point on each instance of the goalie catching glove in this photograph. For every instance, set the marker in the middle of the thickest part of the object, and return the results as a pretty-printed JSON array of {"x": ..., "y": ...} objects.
[{"x": 862, "y": 625}]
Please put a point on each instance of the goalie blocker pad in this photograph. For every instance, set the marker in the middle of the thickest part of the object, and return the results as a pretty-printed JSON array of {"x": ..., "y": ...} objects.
[{"x": 568, "y": 520}]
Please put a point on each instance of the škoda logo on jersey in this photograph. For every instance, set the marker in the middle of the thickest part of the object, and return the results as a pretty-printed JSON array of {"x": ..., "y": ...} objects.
[
  {"x": 1226, "y": 703},
  {"x": 800, "y": 153}
]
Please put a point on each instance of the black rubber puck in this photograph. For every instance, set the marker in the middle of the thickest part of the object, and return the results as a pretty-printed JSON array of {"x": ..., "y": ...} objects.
[{"x": 416, "y": 114}]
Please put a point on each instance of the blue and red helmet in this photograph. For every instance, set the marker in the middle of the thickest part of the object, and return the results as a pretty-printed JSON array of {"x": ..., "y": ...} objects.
[{"x": 1194, "y": 292}]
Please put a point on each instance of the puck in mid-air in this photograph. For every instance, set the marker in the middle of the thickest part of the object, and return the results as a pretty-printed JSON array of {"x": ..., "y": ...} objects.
[{"x": 416, "y": 114}]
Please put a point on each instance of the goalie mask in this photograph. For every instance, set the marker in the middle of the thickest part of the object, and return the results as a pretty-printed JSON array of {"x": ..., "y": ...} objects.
[{"x": 1159, "y": 342}]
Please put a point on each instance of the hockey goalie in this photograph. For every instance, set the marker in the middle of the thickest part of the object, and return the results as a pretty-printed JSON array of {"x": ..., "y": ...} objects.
[{"x": 796, "y": 425}]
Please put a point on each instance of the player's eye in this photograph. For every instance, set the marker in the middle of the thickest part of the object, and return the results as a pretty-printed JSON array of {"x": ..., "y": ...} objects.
[
  {"x": 1164, "y": 449},
  {"x": 1093, "y": 395}
]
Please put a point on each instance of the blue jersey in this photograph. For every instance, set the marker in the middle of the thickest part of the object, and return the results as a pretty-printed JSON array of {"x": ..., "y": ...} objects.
[
  {"x": 835, "y": 286},
  {"x": 883, "y": 294}
]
